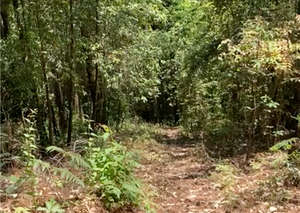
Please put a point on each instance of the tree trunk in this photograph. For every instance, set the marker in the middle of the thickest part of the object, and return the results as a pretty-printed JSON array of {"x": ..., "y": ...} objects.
[
  {"x": 297, "y": 6},
  {"x": 95, "y": 86},
  {"x": 70, "y": 75},
  {"x": 119, "y": 115},
  {"x": 70, "y": 100},
  {"x": 55, "y": 128},
  {"x": 17, "y": 16},
  {"x": 76, "y": 104},
  {"x": 4, "y": 19},
  {"x": 43, "y": 65},
  {"x": 102, "y": 115},
  {"x": 92, "y": 87},
  {"x": 251, "y": 131},
  {"x": 59, "y": 100},
  {"x": 40, "y": 125}
]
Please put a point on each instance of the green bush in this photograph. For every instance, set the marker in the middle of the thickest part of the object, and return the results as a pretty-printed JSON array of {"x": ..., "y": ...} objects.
[{"x": 113, "y": 175}]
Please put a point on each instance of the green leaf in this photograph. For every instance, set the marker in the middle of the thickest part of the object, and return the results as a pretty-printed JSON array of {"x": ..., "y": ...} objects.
[
  {"x": 273, "y": 105},
  {"x": 32, "y": 129},
  {"x": 13, "y": 179},
  {"x": 55, "y": 148},
  {"x": 22, "y": 210},
  {"x": 285, "y": 144},
  {"x": 52, "y": 207},
  {"x": 94, "y": 135},
  {"x": 105, "y": 136},
  {"x": 116, "y": 191},
  {"x": 27, "y": 135},
  {"x": 130, "y": 187}
]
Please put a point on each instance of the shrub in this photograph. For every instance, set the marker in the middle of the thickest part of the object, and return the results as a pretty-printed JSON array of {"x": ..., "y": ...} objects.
[
  {"x": 272, "y": 189},
  {"x": 112, "y": 174},
  {"x": 224, "y": 176}
]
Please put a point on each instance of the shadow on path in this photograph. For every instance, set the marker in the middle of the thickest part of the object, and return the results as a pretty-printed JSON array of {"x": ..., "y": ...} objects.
[{"x": 174, "y": 137}]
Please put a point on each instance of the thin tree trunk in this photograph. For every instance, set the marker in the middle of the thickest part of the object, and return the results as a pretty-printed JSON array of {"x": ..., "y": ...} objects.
[
  {"x": 95, "y": 98},
  {"x": 4, "y": 145},
  {"x": 76, "y": 104},
  {"x": 92, "y": 88},
  {"x": 81, "y": 113},
  {"x": 70, "y": 74},
  {"x": 119, "y": 115},
  {"x": 70, "y": 100},
  {"x": 102, "y": 118},
  {"x": 55, "y": 128},
  {"x": 91, "y": 79},
  {"x": 4, "y": 18},
  {"x": 59, "y": 99},
  {"x": 17, "y": 16},
  {"x": 43, "y": 65},
  {"x": 21, "y": 28},
  {"x": 251, "y": 132},
  {"x": 297, "y": 6},
  {"x": 40, "y": 125},
  {"x": 50, "y": 127}
]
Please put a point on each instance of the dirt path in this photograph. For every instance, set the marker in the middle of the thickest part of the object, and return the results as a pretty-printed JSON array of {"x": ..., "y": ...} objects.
[
  {"x": 178, "y": 174},
  {"x": 179, "y": 178},
  {"x": 181, "y": 183}
]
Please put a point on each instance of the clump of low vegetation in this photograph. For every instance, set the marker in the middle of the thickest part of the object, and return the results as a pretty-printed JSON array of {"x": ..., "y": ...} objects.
[
  {"x": 291, "y": 170},
  {"x": 272, "y": 189},
  {"x": 224, "y": 176},
  {"x": 112, "y": 175},
  {"x": 104, "y": 168}
]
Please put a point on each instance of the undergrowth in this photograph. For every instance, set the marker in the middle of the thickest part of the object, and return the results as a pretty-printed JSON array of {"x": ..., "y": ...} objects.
[
  {"x": 104, "y": 167},
  {"x": 290, "y": 173},
  {"x": 224, "y": 176},
  {"x": 139, "y": 130},
  {"x": 272, "y": 189},
  {"x": 287, "y": 174},
  {"x": 112, "y": 174}
]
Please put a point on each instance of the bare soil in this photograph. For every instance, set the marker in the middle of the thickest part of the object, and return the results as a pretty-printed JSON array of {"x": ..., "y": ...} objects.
[{"x": 179, "y": 173}]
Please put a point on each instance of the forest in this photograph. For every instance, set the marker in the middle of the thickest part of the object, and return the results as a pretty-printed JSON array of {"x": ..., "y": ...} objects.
[{"x": 150, "y": 106}]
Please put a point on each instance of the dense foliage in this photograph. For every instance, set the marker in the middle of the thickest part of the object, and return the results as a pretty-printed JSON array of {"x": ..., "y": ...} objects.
[
  {"x": 74, "y": 71},
  {"x": 227, "y": 68}
]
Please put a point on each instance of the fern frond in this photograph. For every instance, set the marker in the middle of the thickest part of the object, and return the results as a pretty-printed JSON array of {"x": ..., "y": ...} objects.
[
  {"x": 285, "y": 144},
  {"x": 63, "y": 173},
  {"x": 77, "y": 160},
  {"x": 42, "y": 165},
  {"x": 67, "y": 175},
  {"x": 55, "y": 148}
]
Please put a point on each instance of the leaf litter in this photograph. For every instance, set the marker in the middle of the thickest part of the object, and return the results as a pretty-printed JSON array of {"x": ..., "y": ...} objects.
[{"x": 179, "y": 175}]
